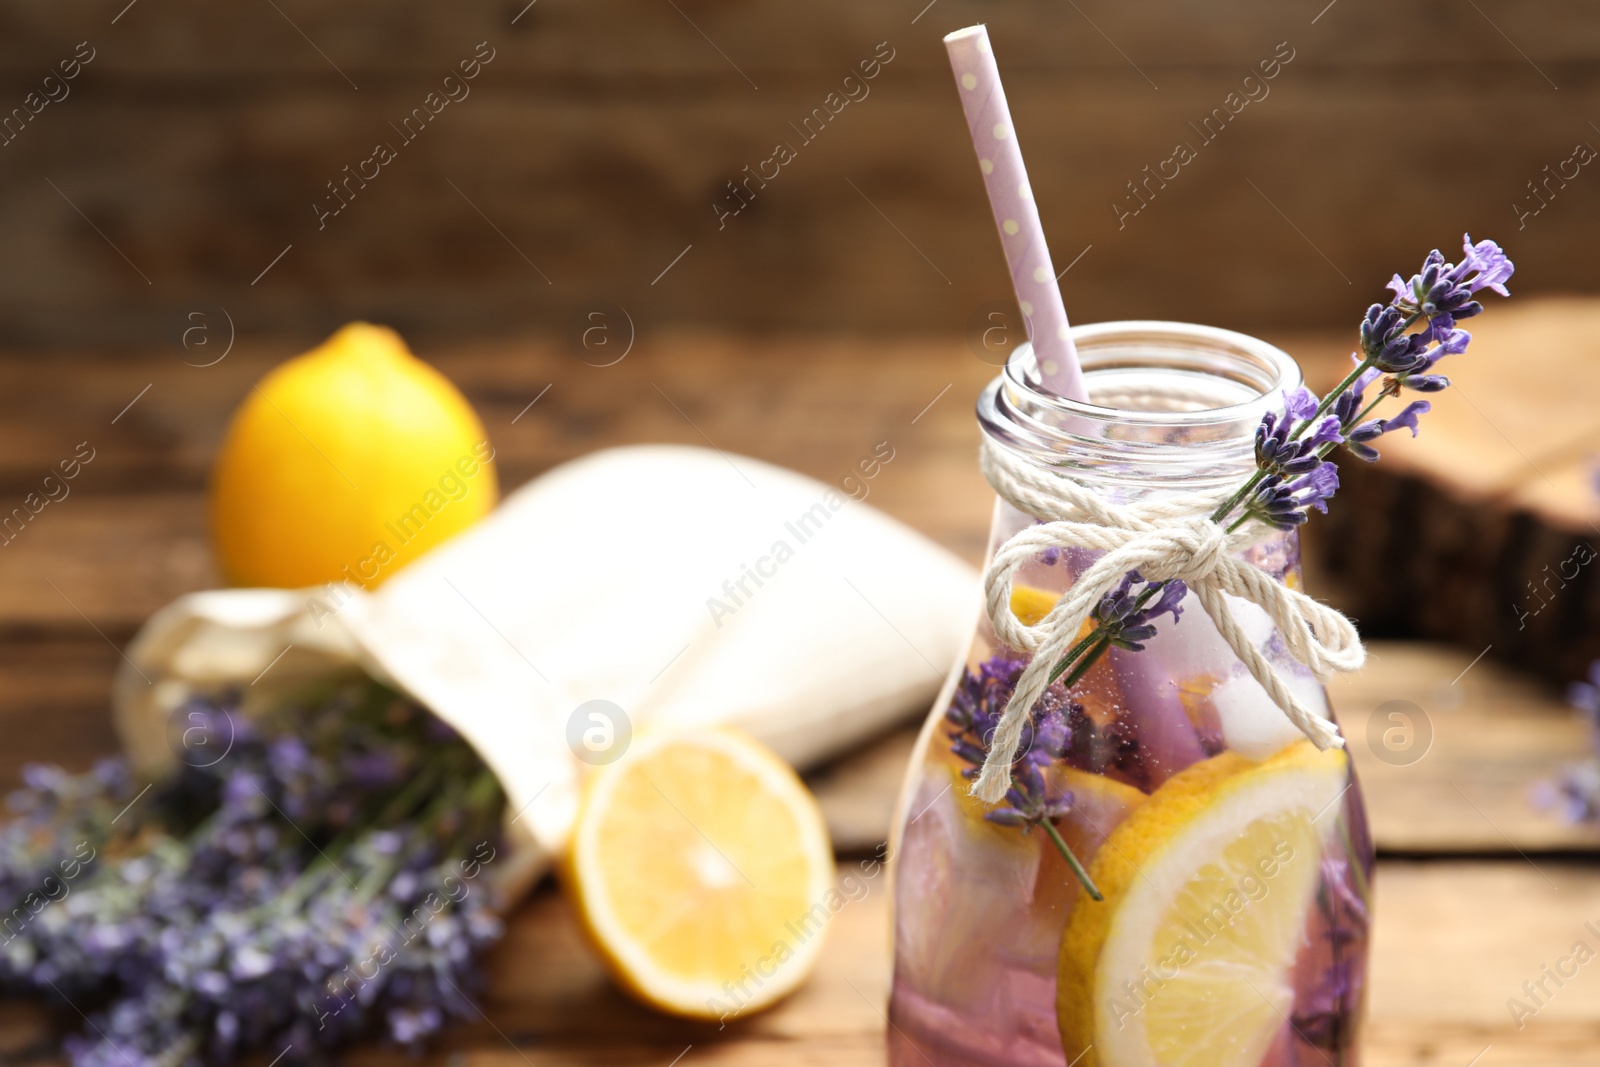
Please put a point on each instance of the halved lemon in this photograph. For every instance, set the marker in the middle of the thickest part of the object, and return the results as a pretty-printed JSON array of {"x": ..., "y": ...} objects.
[
  {"x": 702, "y": 871},
  {"x": 1208, "y": 885}
]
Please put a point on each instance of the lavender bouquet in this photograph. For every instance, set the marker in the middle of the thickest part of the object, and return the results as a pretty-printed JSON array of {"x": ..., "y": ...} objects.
[
  {"x": 309, "y": 876},
  {"x": 1402, "y": 344}
]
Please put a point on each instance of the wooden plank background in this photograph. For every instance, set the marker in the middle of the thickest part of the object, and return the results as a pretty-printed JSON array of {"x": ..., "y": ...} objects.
[
  {"x": 173, "y": 189},
  {"x": 592, "y": 147}
]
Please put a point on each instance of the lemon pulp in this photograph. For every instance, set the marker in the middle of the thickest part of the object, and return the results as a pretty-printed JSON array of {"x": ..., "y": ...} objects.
[
  {"x": 701, "y": 869},
  {"x": 1208, "y": 885}
]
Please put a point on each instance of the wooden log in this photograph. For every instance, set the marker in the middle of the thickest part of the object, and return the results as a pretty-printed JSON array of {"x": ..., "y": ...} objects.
[{"x": 1482, "y": 530}]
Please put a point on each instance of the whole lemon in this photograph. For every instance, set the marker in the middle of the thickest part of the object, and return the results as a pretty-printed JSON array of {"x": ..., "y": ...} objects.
[{"x": 345, "y": 463}]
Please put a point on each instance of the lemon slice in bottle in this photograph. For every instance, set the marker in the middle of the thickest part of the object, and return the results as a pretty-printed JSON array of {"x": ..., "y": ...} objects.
[
  {"x": 701, "y": 870},
  {"x": 1208, "y": 885}
]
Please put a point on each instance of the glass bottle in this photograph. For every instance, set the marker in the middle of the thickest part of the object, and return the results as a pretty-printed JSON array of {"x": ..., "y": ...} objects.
[{"x": 1176, "y": 764}]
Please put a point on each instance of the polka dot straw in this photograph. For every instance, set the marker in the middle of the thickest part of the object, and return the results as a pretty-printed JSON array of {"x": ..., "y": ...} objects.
[{"x": 1015, "y": 213}]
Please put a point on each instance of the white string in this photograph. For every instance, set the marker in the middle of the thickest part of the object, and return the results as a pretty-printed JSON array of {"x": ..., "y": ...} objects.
[{"x": 1165, "y": 539}]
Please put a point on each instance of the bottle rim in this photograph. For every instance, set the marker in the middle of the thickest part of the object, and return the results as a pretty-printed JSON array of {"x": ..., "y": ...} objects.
[{"x": 1168, "y": 401}]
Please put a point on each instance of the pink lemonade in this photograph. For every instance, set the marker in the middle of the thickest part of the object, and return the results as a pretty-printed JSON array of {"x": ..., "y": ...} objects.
[{"x": 1223, "y": 836}]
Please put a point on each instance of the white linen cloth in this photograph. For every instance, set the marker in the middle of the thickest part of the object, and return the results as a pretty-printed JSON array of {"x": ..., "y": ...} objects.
[{"x": 614, "y": 577}]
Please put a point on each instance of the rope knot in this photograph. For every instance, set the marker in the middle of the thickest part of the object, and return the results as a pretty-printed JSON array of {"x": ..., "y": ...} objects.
[
  {"x": 1196, "y": 548},
  {"x": 1167, "y": 539}
]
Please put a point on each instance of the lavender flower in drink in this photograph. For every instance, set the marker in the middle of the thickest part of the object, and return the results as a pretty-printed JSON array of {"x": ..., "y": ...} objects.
[
  {"x": 1124, "y": 618},
  {"x": 975, "y": 711},
  {"x": 1322, "y": 1012},
  {"x": 1028, "y": 801}
]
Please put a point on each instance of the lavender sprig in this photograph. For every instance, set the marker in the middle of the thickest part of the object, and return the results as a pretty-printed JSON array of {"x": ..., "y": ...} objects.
[
  {"x": 1124, "y": 619},
  {"x": 974, "y": 712},
  {"x": 1293, "y": 472}
]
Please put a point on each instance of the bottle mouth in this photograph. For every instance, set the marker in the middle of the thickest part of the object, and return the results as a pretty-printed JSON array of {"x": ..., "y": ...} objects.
[{"x": 1167, "y": 402}]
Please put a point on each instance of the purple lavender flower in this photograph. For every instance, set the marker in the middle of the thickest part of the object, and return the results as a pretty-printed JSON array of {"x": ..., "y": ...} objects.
[
  {"x": 222, "y": 929},
  {"x": 1494, "y": 267},
  {"x": 1452, "y": 342},
  {"x": 1362, "y": 436},
  {"x": 1385, "y": 342},
  {"x": 1284, "y": 503},
  {"x": 1440, "y": 293},
  {"x": 289, "y": 757},
  {"x": 1426, "y": 383},
  {"x": 1292, "y": 472},
  {"x": 1317, "y": 486},
  {"x": 1326, "y": 432},
  {"x": 1278, "y": 451},
  {"x": 1300, "y": 404},
  {"x": 1437, "y": 292},
  {"x": 1430, "y": 345},
  {"x": 975, "y": 710},
  {"x": 1407, "y": 419},
  {"x": 1125, "y": 619},
  {"x": 373, "y": 769},
  {"x": 1443, "y": 292},
  {"x": 1347, "y": 407},
  {"x": 1574, "y": 795}
]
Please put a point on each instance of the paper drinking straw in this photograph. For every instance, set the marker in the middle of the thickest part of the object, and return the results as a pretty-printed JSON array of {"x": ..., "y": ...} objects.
[{"x": 1016, "y": 215}]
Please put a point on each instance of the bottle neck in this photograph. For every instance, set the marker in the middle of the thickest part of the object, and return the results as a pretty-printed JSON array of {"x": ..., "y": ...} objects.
[{"x": 1173, "y": 407}]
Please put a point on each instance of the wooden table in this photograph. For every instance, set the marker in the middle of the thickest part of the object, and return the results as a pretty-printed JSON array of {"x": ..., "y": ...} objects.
[{"x": 1476, "y": 892}]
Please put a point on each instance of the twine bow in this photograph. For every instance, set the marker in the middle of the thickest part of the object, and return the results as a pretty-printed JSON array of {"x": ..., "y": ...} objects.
[{"x": 1170, "y": 538}]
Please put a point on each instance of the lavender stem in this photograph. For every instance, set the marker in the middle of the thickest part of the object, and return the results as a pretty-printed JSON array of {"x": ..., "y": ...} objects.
[
  {"x": 1072, "y": 861},
  {"x": 1072, "y": 655}
]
